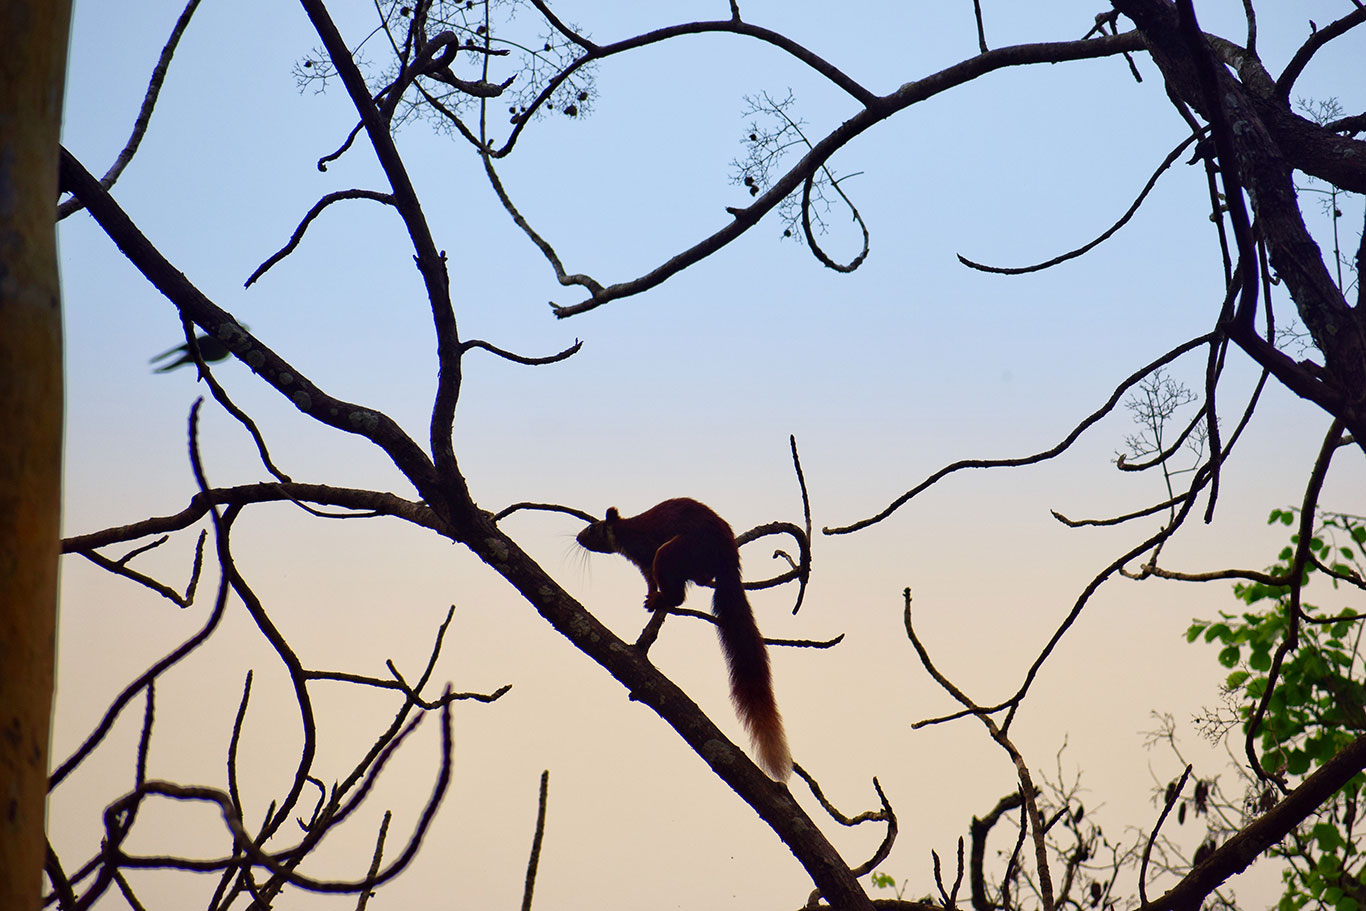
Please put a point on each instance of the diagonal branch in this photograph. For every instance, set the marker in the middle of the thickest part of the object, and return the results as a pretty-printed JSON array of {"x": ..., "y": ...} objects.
[
  {"x": 375, "y": 426},
  {"x": 1234, "y": 855},
  {"x": 144, "y": 117}
]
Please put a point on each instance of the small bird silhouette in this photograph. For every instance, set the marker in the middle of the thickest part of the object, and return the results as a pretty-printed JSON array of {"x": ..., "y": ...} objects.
[{"x": 211, "y": 349}]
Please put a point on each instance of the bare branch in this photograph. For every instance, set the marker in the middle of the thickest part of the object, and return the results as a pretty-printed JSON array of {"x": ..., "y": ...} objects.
[
  {"x": 120, "y": 568},
  {"x": 545, "y": 507},
  {"x": 1172, "y": 794},
  {"x": 366, "y": 892},
  {"x": 541, "y": 243},
  {"x": 534, "y": 860},
  {"x": 298, "y": 235},
  {"x": 1046, "y": 454},
  {"x": 1316, "y": 40},
  {"x": 876, "y": 110},
  {"x": 144, "y": 117},
  {"x": 284, "y": 377},
  {"x": 522, "y": 359},
  {"x": 1238, "y": 852},
  {"x": 376, "y": 502},
  {"x": 1106, "y": 235}
]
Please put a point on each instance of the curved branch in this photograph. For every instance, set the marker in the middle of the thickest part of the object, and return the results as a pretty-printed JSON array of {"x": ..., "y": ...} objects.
[
  {"x": 541, "y": 243},
  {"x": 386, "y": 198},
  {"x": 875, "y": 112},
  {"x": 247, "y": 844},
  {"x": 811, "y": 238},
  {"x": 886, "y": 814},
  {"x": 1120, "y": 520},
  {"x": 1172, "y": 794},
  {"x": 1087, "y": 247},
  {"x": 801, "y": 571},
  {"x": 519, "y": 358},
  {"x": 1170, "y": 451},
  {"x": 341, "y": 150},
  {"x": 1046, "y": 454},
  {"x": 593, "y": 53},
  {"x": 563, "y": 29},
  {"x": 220, "y": 395},
  {"x": 146, "y": 677},
  {"x": 544, "y": 507}
]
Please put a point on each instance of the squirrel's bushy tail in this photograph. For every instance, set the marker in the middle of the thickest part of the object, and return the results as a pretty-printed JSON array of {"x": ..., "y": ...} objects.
[{"x": 751, "y": 682}]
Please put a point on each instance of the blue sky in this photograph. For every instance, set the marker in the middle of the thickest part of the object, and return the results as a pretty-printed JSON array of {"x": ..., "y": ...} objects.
[{"x": 692, "y": 389}]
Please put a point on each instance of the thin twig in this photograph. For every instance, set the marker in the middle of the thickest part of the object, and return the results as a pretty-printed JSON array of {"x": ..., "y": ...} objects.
[
  {"x": 1172, "y": 795},
  {"x": 298, "y": 235},
  {"x": 1044, "y": 455},
  {"x": 1106, "y": 235},
  {"x": 534, "y": 860}
]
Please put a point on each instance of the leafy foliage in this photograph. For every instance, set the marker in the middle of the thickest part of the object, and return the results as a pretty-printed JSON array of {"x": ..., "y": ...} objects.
[{"x": 1316, "y": 706}]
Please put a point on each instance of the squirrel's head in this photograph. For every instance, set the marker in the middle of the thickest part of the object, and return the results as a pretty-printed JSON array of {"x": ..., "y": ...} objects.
[{"x": 598, "y": 536}]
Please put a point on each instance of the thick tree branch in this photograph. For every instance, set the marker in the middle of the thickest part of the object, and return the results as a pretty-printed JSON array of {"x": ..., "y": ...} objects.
[
  {"x": 218, "y": 323},
  {"x": 1238, "y": 852},
  {"x": 770, "y": 800},
  {"x": 1259, "y": 158}
]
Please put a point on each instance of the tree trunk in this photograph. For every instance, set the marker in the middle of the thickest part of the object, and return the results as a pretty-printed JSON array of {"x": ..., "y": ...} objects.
[{"x": 32, "y": 74}]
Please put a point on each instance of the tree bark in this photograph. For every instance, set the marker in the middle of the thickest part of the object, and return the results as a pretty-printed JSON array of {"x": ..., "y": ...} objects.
[{"x": 32, "y": 77}]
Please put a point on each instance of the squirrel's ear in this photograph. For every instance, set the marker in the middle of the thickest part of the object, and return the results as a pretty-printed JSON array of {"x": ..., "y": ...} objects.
[{"x": 612, "y": 514}]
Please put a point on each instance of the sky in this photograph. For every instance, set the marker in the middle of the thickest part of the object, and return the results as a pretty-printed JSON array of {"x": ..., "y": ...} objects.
[{"x": 882, "y": 376}]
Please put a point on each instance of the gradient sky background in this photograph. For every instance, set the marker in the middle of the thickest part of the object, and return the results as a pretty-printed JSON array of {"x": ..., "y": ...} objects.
[{"x": 692, "y": 389}]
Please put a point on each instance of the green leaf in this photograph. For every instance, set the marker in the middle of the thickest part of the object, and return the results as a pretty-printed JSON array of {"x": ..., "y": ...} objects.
[
  {"x": 1194, "y": 631},
  {"x": 1218, "y": 631},
  {"x": 1260, "y": 660},
  {"x": 1347, "y": 903},
  {"x": 1228, "y": 657},
  {"x": 1328, "y": 837},
  {"x": 1236, "y": 679},
  {"x": 1328, "y": 866}
]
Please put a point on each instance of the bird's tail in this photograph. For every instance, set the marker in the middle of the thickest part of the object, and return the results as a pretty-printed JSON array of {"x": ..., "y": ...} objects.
[{"x": 751, "y": 682}]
